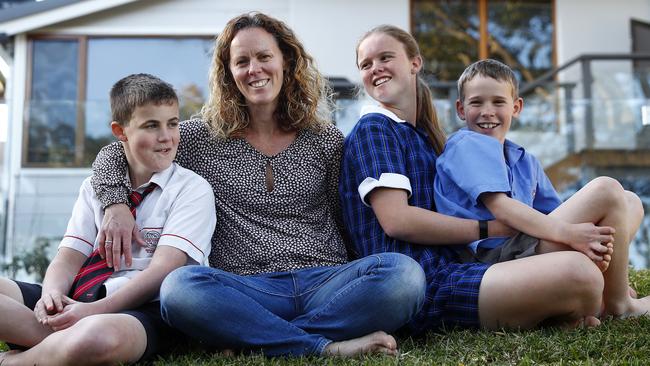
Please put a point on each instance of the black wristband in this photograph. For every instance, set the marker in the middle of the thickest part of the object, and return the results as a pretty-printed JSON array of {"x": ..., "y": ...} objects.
[{"x": 482, "y": 229}]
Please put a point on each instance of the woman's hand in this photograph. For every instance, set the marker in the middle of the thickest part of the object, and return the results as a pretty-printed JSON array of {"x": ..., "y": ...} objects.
[{"x": 118, "y": 229}]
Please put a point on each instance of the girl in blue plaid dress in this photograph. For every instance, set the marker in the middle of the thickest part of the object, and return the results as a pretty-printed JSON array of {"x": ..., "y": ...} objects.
[{"x": 386, "y": 187}]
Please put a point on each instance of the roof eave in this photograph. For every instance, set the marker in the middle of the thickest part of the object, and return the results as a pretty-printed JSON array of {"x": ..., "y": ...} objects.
[{"x": 57, "y": 15}]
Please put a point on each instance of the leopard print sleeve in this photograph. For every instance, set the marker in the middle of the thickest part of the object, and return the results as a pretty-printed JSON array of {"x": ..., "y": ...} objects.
[{"x": 109, "y": 175}]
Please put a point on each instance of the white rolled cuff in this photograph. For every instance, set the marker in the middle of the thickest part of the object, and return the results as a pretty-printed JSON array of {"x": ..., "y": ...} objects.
[{"x": 386, "y": 180}]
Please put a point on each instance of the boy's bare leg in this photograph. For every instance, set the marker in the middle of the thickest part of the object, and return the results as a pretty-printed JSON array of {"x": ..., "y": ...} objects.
[
  {"x": 563, "y": 287},
  {"x": 603, "y": 201},
  {"x": 97, "y": 339},
  {"x": 377, "y": 342},
  {"x": 18, "y": 324}
]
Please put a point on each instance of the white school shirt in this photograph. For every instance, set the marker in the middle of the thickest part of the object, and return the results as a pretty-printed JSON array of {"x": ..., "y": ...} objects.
[{"x": 179, "y": 213}]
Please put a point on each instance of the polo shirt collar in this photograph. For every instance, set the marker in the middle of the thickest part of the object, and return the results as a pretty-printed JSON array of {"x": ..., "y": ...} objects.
[
  {"x": 160, "y": 178},
  {"x": 368, "y": 109},
  {"x": 513, "y": 151}
]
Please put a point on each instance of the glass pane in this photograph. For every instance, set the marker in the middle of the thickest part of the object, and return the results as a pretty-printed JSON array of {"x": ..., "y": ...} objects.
[
  {"x": 182, "y": 62},
  {"x": 52, "y": 108},
  {"x": 448, "y": 35},
  {"x": 521, "y": 36}
]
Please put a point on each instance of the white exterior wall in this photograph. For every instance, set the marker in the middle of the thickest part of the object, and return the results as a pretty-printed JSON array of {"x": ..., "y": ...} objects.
[
  {"x": 328, "y": 29},
  {"x": 596, "y": 26}
]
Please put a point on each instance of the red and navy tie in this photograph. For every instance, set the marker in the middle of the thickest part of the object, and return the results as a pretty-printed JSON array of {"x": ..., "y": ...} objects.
[{"x": 94, "y": 272}]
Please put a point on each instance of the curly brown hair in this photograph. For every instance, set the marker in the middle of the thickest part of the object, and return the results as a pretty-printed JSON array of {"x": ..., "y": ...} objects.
[{"x": 305, "y": 100}]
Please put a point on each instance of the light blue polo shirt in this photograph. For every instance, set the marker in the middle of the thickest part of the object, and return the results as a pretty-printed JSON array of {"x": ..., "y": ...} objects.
[{"x": 472, "y": 164}]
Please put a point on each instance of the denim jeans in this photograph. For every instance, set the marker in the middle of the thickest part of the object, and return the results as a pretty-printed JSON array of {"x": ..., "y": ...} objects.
[{"x": 297, "y": 312}]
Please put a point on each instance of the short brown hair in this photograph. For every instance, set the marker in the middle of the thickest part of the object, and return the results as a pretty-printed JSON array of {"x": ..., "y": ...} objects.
[
  {"x": 488, "y": 68},
  {"x": 305, "y": 100},
  {"x": 137, "y": 90}
]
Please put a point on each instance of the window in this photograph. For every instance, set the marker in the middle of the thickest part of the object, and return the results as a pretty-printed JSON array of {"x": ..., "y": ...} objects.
[
  {"x": 68, "y": 111},
  {"x": 454, "y": 33}
]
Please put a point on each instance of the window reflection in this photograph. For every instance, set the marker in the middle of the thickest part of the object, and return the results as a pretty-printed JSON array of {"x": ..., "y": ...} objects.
[
  {"x": 521, "y": 36},
  {"x": 56, "y": 121},
  {"x": 183, "y": 63},
  {"x": 519, "y": 33},
  {"x": 53, "y": 102},
  {"x": 447, "y": 32}
]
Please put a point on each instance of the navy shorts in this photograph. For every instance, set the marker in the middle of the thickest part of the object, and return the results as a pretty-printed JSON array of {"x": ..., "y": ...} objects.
[{"x": 160, "y": 336}]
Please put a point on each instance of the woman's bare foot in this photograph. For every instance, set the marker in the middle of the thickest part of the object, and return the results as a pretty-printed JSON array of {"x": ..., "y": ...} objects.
[{"x": 377, "y": 342}]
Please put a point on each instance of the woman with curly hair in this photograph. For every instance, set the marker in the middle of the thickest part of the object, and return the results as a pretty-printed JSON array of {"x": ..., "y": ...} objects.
[{"x": 279, "y": 279}]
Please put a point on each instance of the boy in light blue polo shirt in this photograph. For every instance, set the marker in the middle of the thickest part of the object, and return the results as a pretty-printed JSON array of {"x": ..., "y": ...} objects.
[{"x": 483, "y": 176}]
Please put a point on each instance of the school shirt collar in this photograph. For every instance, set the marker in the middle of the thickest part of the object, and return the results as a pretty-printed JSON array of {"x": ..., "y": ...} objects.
[
  {"x": 368, "y": 109},
  {"x": 160, "y": 178},
  {"x": 513, "y": 151}
]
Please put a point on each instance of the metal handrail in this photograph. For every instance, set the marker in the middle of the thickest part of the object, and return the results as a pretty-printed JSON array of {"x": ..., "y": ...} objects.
[{"x": 541, "y": 80}]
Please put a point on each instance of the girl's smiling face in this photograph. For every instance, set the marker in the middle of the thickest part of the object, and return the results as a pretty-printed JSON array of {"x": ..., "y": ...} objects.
[{"x": 388, "y": 74}]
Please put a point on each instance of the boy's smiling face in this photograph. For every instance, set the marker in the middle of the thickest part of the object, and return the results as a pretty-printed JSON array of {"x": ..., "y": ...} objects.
[
  {"x": 489, "y": 106},
  {"x": 150, "y": 139}
]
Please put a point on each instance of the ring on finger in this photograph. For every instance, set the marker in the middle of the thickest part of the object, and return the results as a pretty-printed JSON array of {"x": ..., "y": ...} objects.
[{"x": 108, "y": 242}]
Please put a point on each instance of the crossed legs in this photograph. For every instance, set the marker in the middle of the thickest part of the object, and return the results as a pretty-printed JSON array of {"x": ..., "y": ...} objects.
[
  {"x": 564, "y": 285},
  {"x": 94, "y": 340}
]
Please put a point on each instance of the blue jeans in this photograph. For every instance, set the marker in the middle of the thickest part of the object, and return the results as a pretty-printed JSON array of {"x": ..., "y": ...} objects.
[{"x": 293, "y": 313}]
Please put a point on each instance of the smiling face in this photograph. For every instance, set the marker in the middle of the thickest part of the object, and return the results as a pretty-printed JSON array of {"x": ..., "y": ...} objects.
[
  {"x": 150, "y": 139},
  {"x": 257, "y": 64},
  {"x": 488, "y": 106},
  {"x": 388, "y": 74}
]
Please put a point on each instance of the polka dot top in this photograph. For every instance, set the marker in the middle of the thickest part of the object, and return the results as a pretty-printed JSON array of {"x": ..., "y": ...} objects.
[{"x": 296, "y": 224}]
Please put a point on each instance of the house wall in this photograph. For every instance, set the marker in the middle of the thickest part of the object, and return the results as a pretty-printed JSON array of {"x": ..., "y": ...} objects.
[
  {"x": 329, "y": 29},
  {"x": 596, "y": 26}
]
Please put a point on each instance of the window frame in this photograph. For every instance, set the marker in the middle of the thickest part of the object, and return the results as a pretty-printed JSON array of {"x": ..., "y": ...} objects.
[{"x": 82, "y": 78}]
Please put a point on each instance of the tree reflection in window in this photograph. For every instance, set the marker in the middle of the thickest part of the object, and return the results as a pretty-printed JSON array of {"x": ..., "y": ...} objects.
[
  {"x": 67, "y": 125},
  {"x": 519, "y": 33},
  {"x": 52, "y": 107}
]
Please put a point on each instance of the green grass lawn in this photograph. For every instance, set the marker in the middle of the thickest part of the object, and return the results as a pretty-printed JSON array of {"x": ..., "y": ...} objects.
[{"x": 614, "y": 342}]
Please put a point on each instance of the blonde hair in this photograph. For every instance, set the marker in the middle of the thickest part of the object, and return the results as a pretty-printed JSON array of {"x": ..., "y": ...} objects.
[
  {"x": 426, "y": 116},
  {"x": 305, "y": 100}
]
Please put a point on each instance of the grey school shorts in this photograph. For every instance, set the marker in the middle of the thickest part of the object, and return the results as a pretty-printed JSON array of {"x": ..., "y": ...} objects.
[{"x": 519, "y": 246}]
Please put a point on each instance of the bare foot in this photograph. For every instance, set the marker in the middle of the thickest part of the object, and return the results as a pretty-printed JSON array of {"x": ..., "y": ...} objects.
[
  {"x": 607, "y": 257},
  {"x": 634, "y": 308},
  {"x": 377, "y": 342},
  {"x": 590, "y": 322},
  {"x": 632, "y": 292},
  {"x": 586, "y": 322},
  {"x": 227, "y": 352}
]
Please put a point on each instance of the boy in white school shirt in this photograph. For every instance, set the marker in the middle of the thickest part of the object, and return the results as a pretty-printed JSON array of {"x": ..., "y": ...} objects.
[{"x": 176, "y": 214}]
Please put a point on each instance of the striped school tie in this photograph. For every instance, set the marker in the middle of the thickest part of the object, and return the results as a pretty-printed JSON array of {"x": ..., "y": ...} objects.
[{"x": 94, "y": 272}]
